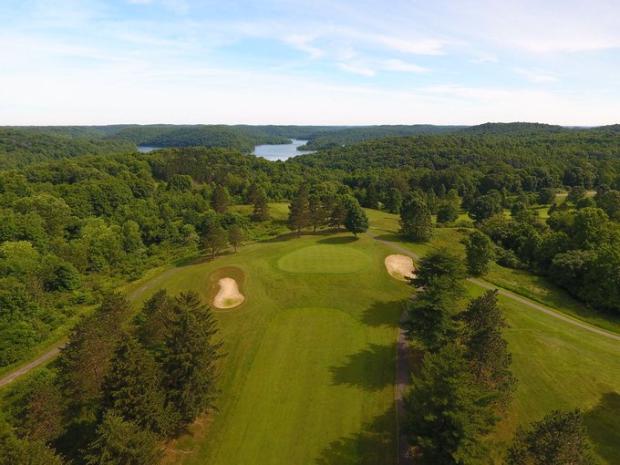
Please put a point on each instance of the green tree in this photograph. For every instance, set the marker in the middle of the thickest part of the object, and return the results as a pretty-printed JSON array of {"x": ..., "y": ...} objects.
[
  {"x": 479, "y": 252},
  {"x": 215, "y": 240},
  {"x": 132, "y": 388},
  {"x": 441, "y": 267},
  {"x": 190, "y": 359},
  {"x": 316, "y": 211},
  {"x": 485, "y": 348},
  {"x": 447, "y": 212},
  {"x": 85, "y": 360},
  {"x": 15, "y": 451},
  {"x": 558, "y": 439},
  {"x": 446, "y": 411},
  {"x": 356, "y": 220},
  {"x": 415, "y": 219},
  {"x": 121, "y": 442},
  {"x": 235, "y": 236},
  {"x": 299, "y": 215},
  {"x": 394, "y": 200},
  {"x": 260, "y": 211},
  {"x": 221, "y": 199},
  {"x": 486, "y": 206},
  {"x": 132, "y": 237}
]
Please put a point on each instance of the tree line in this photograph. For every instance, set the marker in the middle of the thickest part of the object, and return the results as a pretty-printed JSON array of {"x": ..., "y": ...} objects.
[
  {"x": 121, "y": 386},
  {"x": 464, "y": 383}
]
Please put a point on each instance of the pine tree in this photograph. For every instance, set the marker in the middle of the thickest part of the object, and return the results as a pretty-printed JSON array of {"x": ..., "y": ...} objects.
[
  {"x": 132, "y": 388},
  {"x": 15, "y": 451},
  {"x": 235, "y": 236},
  {"x": 446, "y": 411},
  {"x": 316, "y": 211},
  {"x": 441, "y": 264},
  {"x": 221, "y": 199},
  {"x": 394, "y": 200},
  {"x": 155, "y": 321},
  {"x": 298, "y": 217},
  {"x": 485, "y": 348},
  {"x": 121, "y": 442},
  {"x": 415, "y": 219},
  {"x": 261, "y": 208},
  {"x": 558, "y": 439},
  {"x": 85, "y": 360},
  {"x": 479, "y": 253},
  {"x": 190, "y": 359},
  {"x": 338, "y": 212}
]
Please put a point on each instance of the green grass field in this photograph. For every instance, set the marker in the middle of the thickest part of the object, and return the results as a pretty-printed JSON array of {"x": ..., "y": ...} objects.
[{"x": 310, "y": 365}]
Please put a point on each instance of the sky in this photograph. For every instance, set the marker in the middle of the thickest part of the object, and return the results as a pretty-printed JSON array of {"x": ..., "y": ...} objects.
[{"x": 309, "y": 62}]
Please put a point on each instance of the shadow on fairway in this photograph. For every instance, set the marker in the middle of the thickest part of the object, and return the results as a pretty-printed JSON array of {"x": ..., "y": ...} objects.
[
  {"x": 371, "y": 369},
  {"x": 603, "y": 425},
  {"x": 384, "y": 313},
  {"x": 372, "y": 446},
  {"x": 339, "y": 240}
]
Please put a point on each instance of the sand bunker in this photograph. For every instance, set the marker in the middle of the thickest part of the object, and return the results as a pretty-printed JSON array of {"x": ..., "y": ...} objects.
[
  {"x": 400, "y": 267},
  {"x": 228, "y": 296}
]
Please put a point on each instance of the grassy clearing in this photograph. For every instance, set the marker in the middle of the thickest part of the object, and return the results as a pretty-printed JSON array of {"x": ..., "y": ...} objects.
[{"x": 311, "y": 355}]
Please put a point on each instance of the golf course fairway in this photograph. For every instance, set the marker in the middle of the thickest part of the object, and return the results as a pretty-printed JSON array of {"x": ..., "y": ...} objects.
[{"x": 309, "y": 373}]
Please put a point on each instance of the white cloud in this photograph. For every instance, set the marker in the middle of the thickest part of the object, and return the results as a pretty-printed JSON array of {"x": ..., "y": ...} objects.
[
  {"x": 357, "y": 69},
  {"x": 536, "y": 76},
  {"x": 304, "y": 43},
  {"x": 403, "y": 66}
]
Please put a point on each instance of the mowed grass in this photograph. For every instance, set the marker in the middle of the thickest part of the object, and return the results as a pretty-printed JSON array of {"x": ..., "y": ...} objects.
[
  {"x": 310, "y": 365},
  {"x": 558, "y": 365}
]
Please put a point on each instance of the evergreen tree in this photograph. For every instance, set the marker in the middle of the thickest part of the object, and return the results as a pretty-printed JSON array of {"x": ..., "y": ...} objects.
[
  {"x": 121, "y": 442},
  {"x": 132, "y": 389},
  {"x": 394, "y": 200},
  {"x": 316, "y": 211},
  {"x": 85, "y": 360},
  {"x": 479, "y": 253},
  {"x": 415, "y": 219},
  {"x": 338, "y": 212},
  {"x": 430, "y": 315},
  {"x": 441, "y": 268},
  {"x": 260, "y": 210},
  {"x": 15, "y": 451},
  {"x": 446, "y": 411},
  {"x": 298, "y": 217},
  {"x": 155, "y": 321},
  {"x": 215, "y": 239},
  {"x": 558, "y": 439},
  {"x": 356, "y": 220},
  {"x": 235, "y": 236},
  {"x": 485, "y": 348},
  {"x": 220, "y": 199},
  {"x": 190, "y": 358}
]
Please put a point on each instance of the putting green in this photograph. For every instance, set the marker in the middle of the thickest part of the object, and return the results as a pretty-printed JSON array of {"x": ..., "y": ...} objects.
[{"x": 324, "y": 258}]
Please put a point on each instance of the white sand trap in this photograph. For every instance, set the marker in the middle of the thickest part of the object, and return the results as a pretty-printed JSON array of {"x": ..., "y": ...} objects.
[
  {"x": 400, "y": 267},
  {"x": 228, "y": 296}
]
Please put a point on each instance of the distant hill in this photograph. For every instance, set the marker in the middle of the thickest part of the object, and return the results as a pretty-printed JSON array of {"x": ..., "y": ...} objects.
[
  {"x": 517, "y": 128},
  {"x": 22, "y": 146},
  {"x": 352, "y": 135}
]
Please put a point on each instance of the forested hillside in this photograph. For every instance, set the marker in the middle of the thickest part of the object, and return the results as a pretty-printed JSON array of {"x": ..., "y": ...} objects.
[{"x": 20, "y": 147}]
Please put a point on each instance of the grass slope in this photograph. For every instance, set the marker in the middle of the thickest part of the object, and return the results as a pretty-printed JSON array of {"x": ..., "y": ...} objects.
[
  {"x": 311, "y": 354},
  {"x": 558, "y": 365}
]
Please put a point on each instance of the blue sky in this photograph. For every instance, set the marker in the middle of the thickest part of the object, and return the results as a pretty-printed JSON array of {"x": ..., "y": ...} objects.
[{"x": 309, "y": 62}]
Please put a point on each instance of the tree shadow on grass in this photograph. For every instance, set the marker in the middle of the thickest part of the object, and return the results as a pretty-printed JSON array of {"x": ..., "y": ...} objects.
[
  {"x": 374, "y": 445},
  {"x": 603, "y": 425},
  {"x": 384, "y": 313},
  {"x": 371, "y": 369},
  {"x": 338, "y": 240}
]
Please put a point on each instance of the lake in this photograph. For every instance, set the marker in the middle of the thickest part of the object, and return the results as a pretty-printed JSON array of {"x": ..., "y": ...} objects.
[
  {"x": 147, "y": 149},
  {"x": 280, "y": 151}
]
